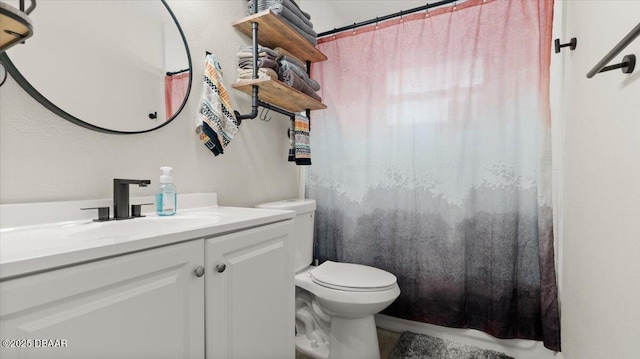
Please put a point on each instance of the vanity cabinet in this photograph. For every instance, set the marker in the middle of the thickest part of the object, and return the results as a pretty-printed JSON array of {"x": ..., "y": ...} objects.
[
  {"x": 250, "y": 293},
  {"x": 227, "y": 296},
  {"x": 143, "y": 305}
]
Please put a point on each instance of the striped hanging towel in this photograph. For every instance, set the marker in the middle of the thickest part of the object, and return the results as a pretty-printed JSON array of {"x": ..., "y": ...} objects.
[
  {"x": 216, "y": 124},
  {"x": 292, "y": 140},
  {"x": 302, "y": 143}
]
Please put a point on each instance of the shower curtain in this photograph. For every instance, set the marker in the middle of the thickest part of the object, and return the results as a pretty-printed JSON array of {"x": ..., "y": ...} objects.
[
  {"x": 433, "y": 162},
  {"x": 176, "y": 87}
]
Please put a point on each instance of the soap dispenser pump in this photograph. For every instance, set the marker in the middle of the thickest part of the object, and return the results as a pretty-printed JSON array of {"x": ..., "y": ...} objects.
[{"x": 166, "y": 196}]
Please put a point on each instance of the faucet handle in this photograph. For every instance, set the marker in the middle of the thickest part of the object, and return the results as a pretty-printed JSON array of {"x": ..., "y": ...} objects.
[
  {"x": 136, "y": 209},
  {"x": 103, "y": 213}
]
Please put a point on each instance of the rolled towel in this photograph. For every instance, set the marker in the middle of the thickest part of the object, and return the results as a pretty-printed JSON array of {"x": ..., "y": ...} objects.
[
  {"x": 282, "y": 52},
  {"x": 294, "y": 61},
  {"x": 261, "y": 49},
  {"x": 291, "y": 79},
  {"x": 263, "y": 73},
  {"x": 304, "y": 14},
  {"x": 247, "y": 63},
  {"x": 308, "y": 34},
  {"x": 289, "y": 18},
  {"x": 286, "y": 65},
  {"x": 249, "y": 55},
  {"x": 291, "y": 5},
  {"x": 300, "y": 22},
  {"x": 216, "y": 124}
]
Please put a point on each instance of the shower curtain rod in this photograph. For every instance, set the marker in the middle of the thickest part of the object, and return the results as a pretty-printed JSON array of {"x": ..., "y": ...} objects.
[{"x": 387, "y": 17}]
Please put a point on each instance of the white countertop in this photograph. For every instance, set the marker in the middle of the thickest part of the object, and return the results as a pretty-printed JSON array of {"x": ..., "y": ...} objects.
[{"x": 37, "y": 247}]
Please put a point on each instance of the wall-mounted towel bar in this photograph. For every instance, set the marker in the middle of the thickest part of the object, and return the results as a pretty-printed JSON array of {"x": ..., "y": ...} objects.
[
  {"x": 628, "y": 63},
  {"x": 169, "y": 73}
]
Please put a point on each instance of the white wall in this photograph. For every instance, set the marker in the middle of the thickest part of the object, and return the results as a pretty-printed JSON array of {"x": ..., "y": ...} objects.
[
  {"x": 601, "y": 227},
  {"x": 327, "y": 15},
  {"x": 46, "y": 158}
]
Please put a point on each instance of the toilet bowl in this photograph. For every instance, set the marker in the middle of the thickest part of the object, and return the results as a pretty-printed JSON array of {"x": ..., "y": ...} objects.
[
  {"x": 348, "y": 295},
  {"x": 335, "y": 302}
]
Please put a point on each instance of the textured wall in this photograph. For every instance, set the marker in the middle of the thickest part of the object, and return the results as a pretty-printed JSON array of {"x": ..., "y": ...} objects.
[
  {"x": 601, "y": 253},
  {"x": 45, "y": 158}
]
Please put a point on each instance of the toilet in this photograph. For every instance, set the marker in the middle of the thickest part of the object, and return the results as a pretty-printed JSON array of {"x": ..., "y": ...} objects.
[{"x": 335, "y": 302}]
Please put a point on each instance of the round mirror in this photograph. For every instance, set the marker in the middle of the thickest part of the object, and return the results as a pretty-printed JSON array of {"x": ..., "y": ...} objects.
[{"x": 111, "y": 66}]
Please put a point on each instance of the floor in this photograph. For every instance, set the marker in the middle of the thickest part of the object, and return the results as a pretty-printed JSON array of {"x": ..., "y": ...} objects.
[{"x": 386, "y": 340}]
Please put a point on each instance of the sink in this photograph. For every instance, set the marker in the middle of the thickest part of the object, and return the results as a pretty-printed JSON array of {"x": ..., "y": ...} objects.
[{"x": 144, "y": 226}]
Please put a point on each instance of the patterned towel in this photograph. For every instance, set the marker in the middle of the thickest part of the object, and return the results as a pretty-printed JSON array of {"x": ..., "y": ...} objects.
[
  {"x": 216, "y": 124},
  {"x": 292, "y": 140},
  {"x": 302, "y": 147}
]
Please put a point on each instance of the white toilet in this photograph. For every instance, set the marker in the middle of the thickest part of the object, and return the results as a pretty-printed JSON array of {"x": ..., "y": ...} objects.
[{"x": 335, "y": 302}]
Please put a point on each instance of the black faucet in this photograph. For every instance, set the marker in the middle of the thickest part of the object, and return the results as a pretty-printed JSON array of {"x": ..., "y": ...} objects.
[{"x": 121, "y": 196}]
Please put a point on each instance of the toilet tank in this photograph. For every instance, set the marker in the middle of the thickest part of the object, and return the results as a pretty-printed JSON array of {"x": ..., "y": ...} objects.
[{"x": 303, "y": 232}]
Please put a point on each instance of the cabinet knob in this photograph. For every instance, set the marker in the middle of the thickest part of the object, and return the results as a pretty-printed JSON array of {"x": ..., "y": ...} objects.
[
  {"x": 221, "y": 267},
  {"x": 199, "y": 271}
]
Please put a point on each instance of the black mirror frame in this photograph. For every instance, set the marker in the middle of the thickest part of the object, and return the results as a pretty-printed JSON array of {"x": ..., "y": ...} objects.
[{"x": 15, "y": 73}]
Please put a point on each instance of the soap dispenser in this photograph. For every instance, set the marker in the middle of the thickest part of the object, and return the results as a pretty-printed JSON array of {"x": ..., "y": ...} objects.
[{"x": 166, "y": 196}]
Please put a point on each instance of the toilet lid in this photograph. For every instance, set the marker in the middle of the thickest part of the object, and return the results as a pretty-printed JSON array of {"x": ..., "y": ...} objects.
[{"x": 352, "y": 277}]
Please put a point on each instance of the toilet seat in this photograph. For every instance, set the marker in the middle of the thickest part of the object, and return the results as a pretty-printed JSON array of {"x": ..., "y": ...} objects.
[{"x": 352, "y": 277}]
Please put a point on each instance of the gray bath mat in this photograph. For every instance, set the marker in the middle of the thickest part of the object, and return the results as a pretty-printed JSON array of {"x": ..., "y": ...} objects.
[{"x": 419, "y": 346}]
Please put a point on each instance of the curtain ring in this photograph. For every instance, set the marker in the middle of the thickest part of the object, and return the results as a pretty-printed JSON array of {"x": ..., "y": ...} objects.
[
  {"x": 376, "y": 23},
  {"x": 401, "y": 14},
  {"x": 427, "y": 11},
  {"x": 354, "y": 28},
  {"x": 455, "y": 5}
]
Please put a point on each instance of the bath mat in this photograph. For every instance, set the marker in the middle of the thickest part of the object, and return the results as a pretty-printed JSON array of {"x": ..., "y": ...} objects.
[{"x": 419, "y": 346}]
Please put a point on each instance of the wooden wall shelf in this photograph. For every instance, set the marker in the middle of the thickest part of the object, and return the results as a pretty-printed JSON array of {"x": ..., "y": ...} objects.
[
  {"x": 273, "y": 32},
  {"x": 280, "y": 95}
]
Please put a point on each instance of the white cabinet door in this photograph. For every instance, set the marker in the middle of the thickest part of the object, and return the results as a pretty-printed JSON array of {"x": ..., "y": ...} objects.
[
  {"x": 250, "y": 304},
  {"x": 148, "y": 304}
]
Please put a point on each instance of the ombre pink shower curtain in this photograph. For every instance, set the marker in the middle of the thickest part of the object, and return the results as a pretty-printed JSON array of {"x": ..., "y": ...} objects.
[
  {"x": 176, "y": 87},
  {"x": 433, "y": 162}
]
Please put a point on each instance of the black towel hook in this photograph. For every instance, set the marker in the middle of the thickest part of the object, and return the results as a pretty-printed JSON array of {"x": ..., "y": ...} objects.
[
  {"x": 571, "y": 44},
  {"x": 264, "y": 113}
]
